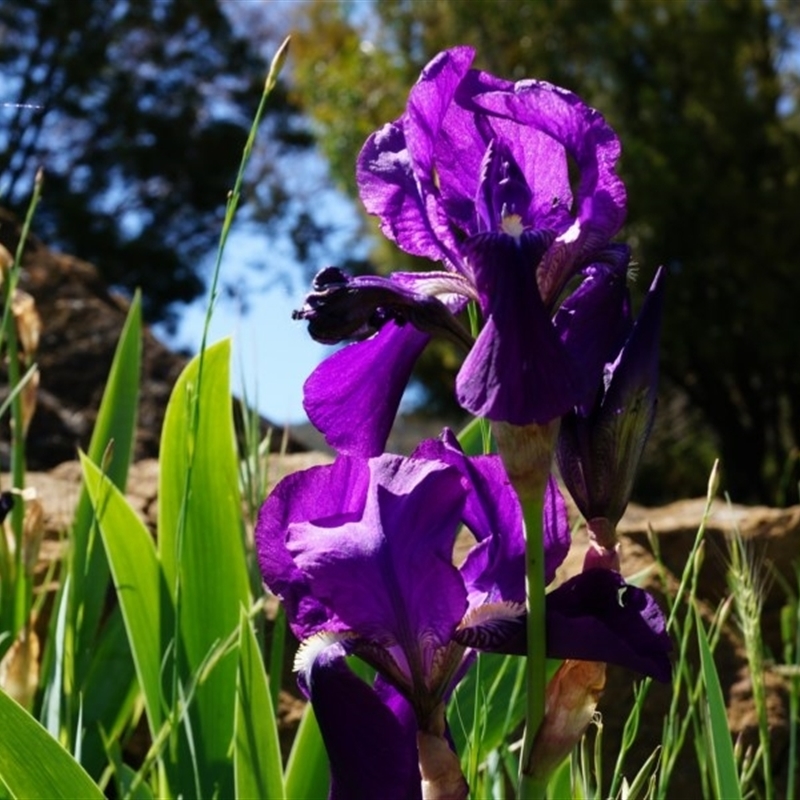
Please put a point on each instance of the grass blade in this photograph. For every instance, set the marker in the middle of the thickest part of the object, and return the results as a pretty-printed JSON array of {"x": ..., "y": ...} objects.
[
  {"x": 719, "y": 745},
  {"x": 258, "y": 771}
]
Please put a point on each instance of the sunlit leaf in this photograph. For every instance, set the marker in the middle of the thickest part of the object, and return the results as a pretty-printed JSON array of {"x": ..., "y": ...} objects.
[
  {"x": 33, "y": 765},
  {"x": 257, "y": 756}
]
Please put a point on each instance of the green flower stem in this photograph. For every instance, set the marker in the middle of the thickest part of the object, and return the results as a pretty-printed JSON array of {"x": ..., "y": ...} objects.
[{"x": 531, "y": 788}]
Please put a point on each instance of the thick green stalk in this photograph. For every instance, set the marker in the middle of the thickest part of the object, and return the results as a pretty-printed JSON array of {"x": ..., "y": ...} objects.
[{"x": 530, "y": 787}]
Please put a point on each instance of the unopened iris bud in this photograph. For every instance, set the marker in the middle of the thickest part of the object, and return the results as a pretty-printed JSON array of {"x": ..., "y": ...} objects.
[{"x": 599, "y": 449}]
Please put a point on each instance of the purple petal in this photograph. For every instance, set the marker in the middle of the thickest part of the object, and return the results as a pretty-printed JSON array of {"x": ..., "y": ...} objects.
[
  {"x": 389, "y": 189},
  {"x": 587, "y": 138},
  {"x": 494, "y": 570},
  {"x": 596, "y": 616},
  {"x": 598, "y": 452},
  {"x": 352, "y": 397},
  {"x": 444, "y": 144},
  {"x": 595, "y": 148},
  {"x": 341, "y": 307},
  {"x": 542, "y": 159},
  {"x": 518, "y": 370},
  {"x": 592, "y": 323},
  {"x": 503, "y": 189},
  {"x": 371, "y": 740},
  {"x": 389, "y": 574},
  {"x": 557, "y": 534},
  {"x": 336, "y": 492}
]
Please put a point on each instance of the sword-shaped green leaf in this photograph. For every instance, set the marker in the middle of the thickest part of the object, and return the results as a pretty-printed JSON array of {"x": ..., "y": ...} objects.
[{"x": 33, "y": 764}]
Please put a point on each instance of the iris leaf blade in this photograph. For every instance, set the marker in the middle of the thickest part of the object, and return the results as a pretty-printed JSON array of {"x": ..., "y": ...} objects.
[
  {"x": 258, "y": 771},
  {"x": 202, "y": 549},
  {"x": 138, "y": 581},
  {"x": 112, "y": 440},
  {"x": 307, "y": 772},
  {"x": 24, "y": 743}
]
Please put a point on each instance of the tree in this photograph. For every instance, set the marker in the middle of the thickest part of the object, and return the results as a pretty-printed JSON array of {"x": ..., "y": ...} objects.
[
  {"x": 704, "y": 97},
  {"x": 138, "y": 112}
]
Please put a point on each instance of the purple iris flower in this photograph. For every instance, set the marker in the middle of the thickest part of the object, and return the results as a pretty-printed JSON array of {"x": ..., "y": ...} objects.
[
  {"x": 361, "y": 552},
  {"x": 476, "y": 175},
  {"x": 600, "y": 446}
]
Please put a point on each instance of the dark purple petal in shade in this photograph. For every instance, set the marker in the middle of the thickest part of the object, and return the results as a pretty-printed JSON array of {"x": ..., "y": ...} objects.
[
  {"x": 341, "y": 307},
  {"x": 592, "y": 323},
  {"x": 503, "y": 190},
  {"x": 336, "y": 493},
  {"x": 352, "y": 397},
  {"x": 371, "y": 744},
  {"x": 389, "y": 575},
  {"x": 599, "y": 449},
  {"x": 557, "y": 535},
  {"x": 518, "y": 371},
  {"x": 596, "y": 616}
]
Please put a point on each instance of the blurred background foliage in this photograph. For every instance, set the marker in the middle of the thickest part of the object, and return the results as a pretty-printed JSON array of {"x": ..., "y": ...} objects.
[
  {"x": 704, "y": 95},
  {"x": 140, "y": 108}
]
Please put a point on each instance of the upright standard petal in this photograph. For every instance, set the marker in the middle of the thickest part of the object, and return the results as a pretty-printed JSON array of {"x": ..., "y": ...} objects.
[
  {"x": 389, "y": 188},
  {"x": 494, "y": 570},
  {"x": 586, "y": 138}
]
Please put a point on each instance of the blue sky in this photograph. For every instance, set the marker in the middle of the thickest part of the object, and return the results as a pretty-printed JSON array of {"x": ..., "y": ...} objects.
[{"x": 272, "y": 354}]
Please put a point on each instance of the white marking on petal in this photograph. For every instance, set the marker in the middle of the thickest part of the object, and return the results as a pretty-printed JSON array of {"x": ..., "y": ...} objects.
[
  {"x": 491, "y": 612},
  {"x": 571, "y": 234},
  {"x": 310, "y": 649}
]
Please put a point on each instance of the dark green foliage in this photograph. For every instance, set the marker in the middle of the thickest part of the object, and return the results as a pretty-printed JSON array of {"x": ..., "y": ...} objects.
[{"x": 704, "y": 97}]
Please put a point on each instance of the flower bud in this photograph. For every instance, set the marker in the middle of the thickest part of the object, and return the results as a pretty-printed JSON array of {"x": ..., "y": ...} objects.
[{"x": 570, "y": 703}]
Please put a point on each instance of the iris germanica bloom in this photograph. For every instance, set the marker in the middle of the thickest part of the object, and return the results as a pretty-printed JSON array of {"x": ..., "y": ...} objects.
[
  {"x": 600, "y": 446},
  {"x": 476, "y": 175},
  {"x": 361, "y": 552}
]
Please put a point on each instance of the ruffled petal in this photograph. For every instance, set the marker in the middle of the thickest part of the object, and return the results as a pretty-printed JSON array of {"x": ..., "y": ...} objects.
[
  {"x": 389, "y": 574},
  {"x": 352, "y": 397},
  {"x": 334, "y": 492},
  {"x": 341, "y": 307},
  {"x": 590, "y": 141},
  {"x": 370, "y": 739},
  {"x": 542, "y": 158}
]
